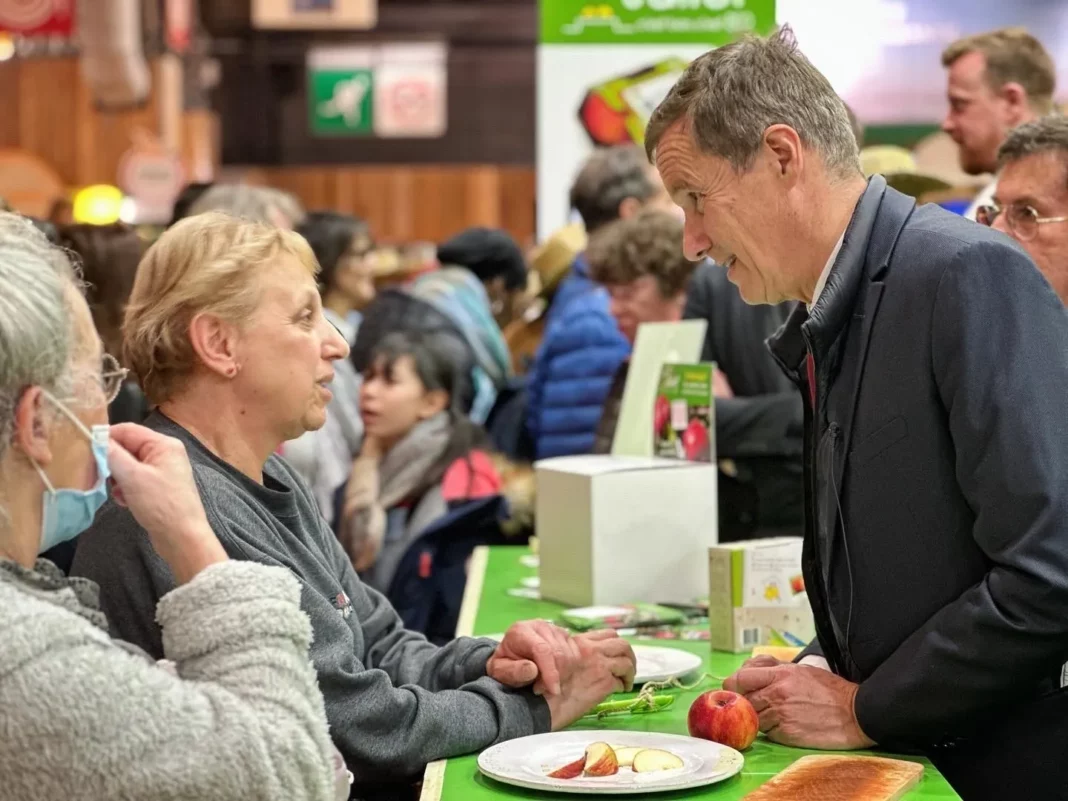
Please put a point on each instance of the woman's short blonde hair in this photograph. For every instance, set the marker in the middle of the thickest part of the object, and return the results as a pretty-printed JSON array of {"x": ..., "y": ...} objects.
[{"x": 211, "y": 263}]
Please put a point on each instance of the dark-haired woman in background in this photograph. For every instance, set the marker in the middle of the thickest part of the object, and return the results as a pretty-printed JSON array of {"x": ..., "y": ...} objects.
[
  {"x": 108, "y": 256},
  {"x": 342, "y": 245},
  {"x": 420, "y": 454}
]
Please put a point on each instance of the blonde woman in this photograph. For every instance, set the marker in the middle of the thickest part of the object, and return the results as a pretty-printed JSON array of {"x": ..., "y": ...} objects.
[
  {"x": 83, "y": 717},
  {"x": 225, "y": 330}
]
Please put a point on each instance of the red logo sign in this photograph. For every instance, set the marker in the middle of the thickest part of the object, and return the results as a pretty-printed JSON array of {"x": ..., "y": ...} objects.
[{"x": 37, "y": 17}]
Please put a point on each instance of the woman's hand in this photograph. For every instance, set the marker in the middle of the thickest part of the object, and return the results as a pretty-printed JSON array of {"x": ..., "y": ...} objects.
[{"x": 154, "y": 480}]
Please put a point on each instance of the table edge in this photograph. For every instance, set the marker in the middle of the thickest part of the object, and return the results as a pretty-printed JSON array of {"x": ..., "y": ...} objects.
[{"x": 434, "y": 775}]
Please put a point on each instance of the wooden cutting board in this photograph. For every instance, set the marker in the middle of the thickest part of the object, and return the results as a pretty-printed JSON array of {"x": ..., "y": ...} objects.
[{"x": 841, "y": 778}]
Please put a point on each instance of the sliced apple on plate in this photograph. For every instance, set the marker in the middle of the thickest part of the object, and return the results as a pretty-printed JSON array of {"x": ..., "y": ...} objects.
[
  {"x": 571, "y": 770},
  {"x": 625, "y": 754},
  {"x": 601, "y": 760},
  {"x": 651, "y": 760}
]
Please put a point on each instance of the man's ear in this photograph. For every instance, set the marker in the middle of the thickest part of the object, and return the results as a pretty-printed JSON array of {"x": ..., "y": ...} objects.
[
  {"x": 214, "y": 341},
  {"x": 1017, "y": 102},
  {"x": 33, "y": 427},
  {"x": 434, "y": 402},
  {"x": 783, "y": 146}
]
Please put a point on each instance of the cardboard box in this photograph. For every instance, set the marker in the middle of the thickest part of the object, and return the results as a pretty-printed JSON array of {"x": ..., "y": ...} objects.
[
  {"x": 620, "y": 529},
  {"x": 757, "y": 595}
]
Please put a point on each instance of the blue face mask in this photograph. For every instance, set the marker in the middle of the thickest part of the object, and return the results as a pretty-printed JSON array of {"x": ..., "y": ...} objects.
[{"x": 66, "y": 513}]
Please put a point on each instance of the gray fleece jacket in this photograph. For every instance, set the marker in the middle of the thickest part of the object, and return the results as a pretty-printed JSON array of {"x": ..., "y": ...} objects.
[
  {"x": 394, "y": 701},
  {"x": 82, "y": 717}
]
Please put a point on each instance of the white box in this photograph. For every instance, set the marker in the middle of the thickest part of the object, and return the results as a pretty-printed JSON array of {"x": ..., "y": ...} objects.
[{"x": 617, "y": 529}]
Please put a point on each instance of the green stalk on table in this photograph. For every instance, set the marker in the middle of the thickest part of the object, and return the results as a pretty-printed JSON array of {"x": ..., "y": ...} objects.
[{"x": 632, "y": 706}]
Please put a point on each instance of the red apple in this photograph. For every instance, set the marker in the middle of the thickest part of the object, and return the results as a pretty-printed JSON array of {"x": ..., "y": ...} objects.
[
  {"x": 661, "y": 413},
  {"x": 569, "y": 771},
  {"x": 724, "y": 717},
  {"x": 695, "y": 441}
]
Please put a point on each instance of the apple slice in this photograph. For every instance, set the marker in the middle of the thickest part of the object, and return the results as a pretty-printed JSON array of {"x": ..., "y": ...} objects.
[
  {"x": 572, "y": 770},
  {"x": 650, "y": 760},
  {"x": 601, "y": 760},
  {"x": 625, "y": 754}
]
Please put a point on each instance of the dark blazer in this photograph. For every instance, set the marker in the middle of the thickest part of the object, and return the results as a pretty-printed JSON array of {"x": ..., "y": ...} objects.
[{"x": 936, "y": 538}]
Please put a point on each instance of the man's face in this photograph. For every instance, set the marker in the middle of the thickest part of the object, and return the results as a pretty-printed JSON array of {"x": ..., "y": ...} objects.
[
  {"x": 1040, "y": 182},
  {"x": 641, "y": 302},
  {"x": 979, "y": 118},
  {"x": 728, "y": 217}
]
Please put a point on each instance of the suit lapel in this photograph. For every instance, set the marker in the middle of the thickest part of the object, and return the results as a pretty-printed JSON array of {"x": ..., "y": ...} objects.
[{"x": 891, "y": 218}]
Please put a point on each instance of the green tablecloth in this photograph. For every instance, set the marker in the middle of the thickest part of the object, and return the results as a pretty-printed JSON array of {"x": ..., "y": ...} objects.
[{"x": 489, "y": 609}]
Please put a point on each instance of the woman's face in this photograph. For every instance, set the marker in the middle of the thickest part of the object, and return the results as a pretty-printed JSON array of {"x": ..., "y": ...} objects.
[
  {"x": 393, "y": 400},
  {"x": 354, "y": 275},
  {"x": 285, "y": 354}
]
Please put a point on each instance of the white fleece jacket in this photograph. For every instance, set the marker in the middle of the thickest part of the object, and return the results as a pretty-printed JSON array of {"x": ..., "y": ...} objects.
[{"x": 83, "y": 717}]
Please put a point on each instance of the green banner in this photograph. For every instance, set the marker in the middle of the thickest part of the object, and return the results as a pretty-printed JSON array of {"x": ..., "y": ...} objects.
[{"x": 710, "y": 22}]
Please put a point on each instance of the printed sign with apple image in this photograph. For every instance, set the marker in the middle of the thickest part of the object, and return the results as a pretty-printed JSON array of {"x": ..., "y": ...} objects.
[{"x": 684, "y": 411}]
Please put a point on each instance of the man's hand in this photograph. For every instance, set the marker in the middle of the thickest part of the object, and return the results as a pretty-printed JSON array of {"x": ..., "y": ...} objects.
[
  {"x": 606, "y": 665},
  {"x": 534, "y": 651},
  {"x": 801, "y": 706}
]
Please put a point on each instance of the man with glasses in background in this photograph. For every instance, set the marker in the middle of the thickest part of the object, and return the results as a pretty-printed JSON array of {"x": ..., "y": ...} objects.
[{"x": 1031, "y": 202}]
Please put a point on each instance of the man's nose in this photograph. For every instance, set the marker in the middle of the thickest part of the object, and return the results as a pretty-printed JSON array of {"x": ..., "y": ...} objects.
[
  {"x": 695, "y": 242},
  {"x": 1000, "y": 224}
]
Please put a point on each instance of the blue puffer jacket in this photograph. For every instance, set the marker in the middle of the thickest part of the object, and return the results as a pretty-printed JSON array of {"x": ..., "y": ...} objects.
[{"x": 573, "y": 370}]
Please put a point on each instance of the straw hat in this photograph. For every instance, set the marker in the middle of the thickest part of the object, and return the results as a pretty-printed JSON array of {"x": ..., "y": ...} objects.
[
  {"x": 553, "y": 257},
  {"x": 898, "y": 166}
]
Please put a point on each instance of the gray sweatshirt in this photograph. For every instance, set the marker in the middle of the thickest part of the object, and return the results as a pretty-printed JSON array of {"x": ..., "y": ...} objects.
[
  {"x": 82, "y": 717},
  {"x": 394, "y": 700}
]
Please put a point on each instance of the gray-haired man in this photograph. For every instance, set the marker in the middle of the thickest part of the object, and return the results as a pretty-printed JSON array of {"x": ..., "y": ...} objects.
[
  {"x": 933, "y": 360},
  {"x": 1031, "y": 201}
]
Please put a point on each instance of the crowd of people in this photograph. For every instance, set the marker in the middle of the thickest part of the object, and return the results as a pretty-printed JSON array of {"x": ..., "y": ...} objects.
[{"x": 302, "y": 458}]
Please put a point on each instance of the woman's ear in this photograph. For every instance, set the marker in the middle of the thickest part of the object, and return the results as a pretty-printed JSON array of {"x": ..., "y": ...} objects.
[
  {"x": 215, "y": 343},
  {"x": 33, "y": 428},
  {"x": 434, "y": 402}
]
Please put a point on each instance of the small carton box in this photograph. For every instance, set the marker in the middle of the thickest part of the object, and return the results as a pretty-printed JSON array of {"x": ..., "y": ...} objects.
[
  {"x": 623, "y": 529},
  {"x": 757, "y": 595}
]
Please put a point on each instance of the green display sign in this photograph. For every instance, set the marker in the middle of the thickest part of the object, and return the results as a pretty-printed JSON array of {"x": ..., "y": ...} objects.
[
  {"x": 710, "y": 22},
  {"x": 340, "y": 101}
]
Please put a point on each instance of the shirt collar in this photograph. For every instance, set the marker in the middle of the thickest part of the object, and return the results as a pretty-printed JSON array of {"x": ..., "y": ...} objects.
[{"x": 822, "y": 282}]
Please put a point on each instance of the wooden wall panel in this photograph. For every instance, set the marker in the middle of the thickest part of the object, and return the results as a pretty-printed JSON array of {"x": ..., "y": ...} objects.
[
  {"x": 52, "y": 116},
  {"x": 404, "y": 204}
]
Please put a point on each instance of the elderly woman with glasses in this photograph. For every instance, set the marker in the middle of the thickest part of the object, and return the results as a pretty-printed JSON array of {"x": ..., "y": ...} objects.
[
  {"x": 226, "y": 332},
  {"x": 238, "y": 714}
]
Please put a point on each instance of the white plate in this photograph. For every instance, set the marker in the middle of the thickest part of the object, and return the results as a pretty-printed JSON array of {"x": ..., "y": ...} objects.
[
  {"x": 662, "y": 664},
  {"x": 654, "y": 662},
  {"x": 528, "y": 761}
]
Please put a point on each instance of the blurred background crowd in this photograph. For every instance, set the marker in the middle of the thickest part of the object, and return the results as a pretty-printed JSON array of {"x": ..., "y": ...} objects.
[{"x": 489, "y": 323}]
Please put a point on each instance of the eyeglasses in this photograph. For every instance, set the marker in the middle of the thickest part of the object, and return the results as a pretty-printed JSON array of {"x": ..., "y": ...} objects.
[
  {"x": 1023, "y": 221},
  {"x": 112, "y": 377}
]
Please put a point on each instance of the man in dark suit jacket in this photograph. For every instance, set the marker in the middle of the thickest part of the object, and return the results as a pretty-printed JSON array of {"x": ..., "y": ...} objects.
[{"x": 933, "y": 358}]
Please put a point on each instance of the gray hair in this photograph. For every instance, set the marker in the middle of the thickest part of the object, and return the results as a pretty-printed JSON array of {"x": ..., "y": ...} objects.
[
  {"x": 610, "y": 176},
  {"x": 732, "y": 95},
  {"x": 257, "y": 203},
  {"x": 36, "y": 332},
  {"x": 1044, "y": 135}
]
